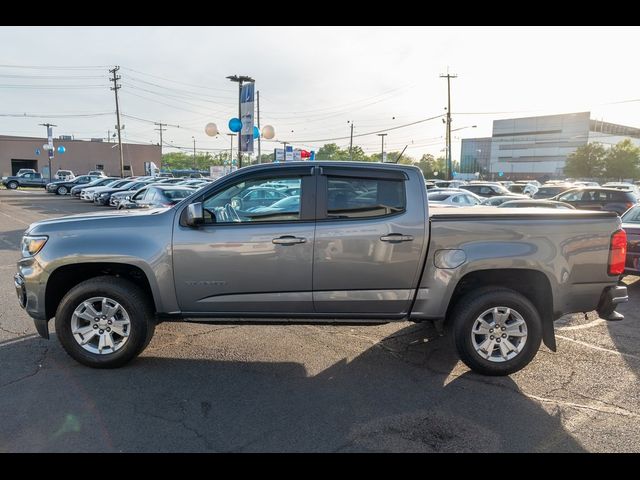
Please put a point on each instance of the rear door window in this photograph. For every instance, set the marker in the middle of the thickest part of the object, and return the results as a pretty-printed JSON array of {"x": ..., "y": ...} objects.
[{"x": 353, "y": 197}]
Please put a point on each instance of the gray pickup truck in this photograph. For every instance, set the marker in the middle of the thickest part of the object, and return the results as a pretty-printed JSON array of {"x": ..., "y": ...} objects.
[
  {"x": 326, "y": 242},
  {"x": 29, "y": 179}
]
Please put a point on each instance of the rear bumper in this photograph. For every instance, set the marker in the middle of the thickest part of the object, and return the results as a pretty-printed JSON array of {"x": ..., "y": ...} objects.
[{"x": 609, "y": 300}]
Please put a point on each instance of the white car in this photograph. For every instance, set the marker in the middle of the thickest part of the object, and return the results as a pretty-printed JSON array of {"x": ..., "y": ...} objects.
[
  {"x": 89, "y": 193},
  {"x": 64, "y": 175},
  {"x": 453, "y": 197}
]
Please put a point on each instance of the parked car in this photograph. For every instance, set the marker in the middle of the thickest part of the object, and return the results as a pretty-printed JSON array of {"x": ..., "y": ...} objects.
[
  {"x": 527, "y": 189},
  {"x": 631, "y": 225},
  {"x": 495, "y": 201},
  {"x": 581, "y": 183},
  {"x": 536, "y": 204},
  {"x": 62, "y": 187},
  {"x": 102, "y": 196},
  {"x": 549, "y": 191},
  {"x": 28, "y": 179},
  {"x": 157, "y": 196},
  {"x": 609, "y": 199},
  {"x": 487, "y": 189},
  {"x": 500, "y": 280},
  {"x": 623, "y": 186},
  {"x": 64, "y": 175},
  {"x": 97, "y": 173},
  {"x": 98, "y": 182},
  {"x": 449, "y": 183},
  {"x": 457, "y": 198},
  {"x": 121, "y": 195},
  {"x": 89, "y": 194}
]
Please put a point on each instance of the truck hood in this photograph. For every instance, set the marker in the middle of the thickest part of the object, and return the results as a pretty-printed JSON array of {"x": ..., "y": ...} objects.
[{"x": 92, "y": 220}]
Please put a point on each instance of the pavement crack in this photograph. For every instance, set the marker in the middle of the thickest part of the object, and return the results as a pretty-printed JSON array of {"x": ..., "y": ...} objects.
[{"x": 39, "y": 365}]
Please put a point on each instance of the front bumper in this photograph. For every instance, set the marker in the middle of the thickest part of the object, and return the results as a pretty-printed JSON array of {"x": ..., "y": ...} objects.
[
  {"x": 609, "y": 300},
  {"x": 101, "y": 200},
  {"x": 33, "y": 302}
]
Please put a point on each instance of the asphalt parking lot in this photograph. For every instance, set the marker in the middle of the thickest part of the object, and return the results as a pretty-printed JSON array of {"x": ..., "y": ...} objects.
[{"x": 396, "y": 387}]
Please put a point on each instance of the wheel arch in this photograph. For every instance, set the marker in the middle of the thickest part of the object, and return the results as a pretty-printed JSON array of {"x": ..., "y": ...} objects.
[
  {"x": 532, "y": 284},
  {"x": 65, "y": 277}
]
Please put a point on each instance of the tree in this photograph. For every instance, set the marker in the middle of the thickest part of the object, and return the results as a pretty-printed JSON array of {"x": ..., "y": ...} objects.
[
  {"x": 588, "y": 161},
  {"x": 332, "y": 151},
  {"x": 622, "y": 160}
]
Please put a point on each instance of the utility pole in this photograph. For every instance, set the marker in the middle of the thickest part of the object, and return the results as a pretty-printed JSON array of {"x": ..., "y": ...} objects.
[
  {"x": 284, "y": 147},
  {"x": 351, "y": 142},
  {"x": 115, "y": 88},
  {"x": 160, "y": 129},
  {"x": 259, "y": 131},
  {"x": 231, "y": 135},
  {"x": 50, "y": 143},
  {"x": 194, "y": 152},
  {"x": 448, "y": 76},
  {"x": 382, "y": 135}
]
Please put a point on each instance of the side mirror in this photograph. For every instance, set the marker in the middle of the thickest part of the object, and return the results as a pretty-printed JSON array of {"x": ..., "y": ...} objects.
[{"x": 195, "y": 214}]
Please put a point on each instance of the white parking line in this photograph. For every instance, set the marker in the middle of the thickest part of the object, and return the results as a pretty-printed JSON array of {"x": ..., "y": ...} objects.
[{"x": 602, "y": 349}]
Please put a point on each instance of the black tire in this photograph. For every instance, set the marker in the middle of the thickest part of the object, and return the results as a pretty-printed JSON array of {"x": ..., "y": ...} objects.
[
  {"x": 471, "y": 306},
  {"x": 12, "y": 185},
  {"x": 62, "y": 190},
  {"x": 131, "y": 297}
]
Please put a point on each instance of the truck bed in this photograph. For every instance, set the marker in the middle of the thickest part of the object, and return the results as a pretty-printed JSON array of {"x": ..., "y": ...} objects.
[{"x": 484, "y": 213}]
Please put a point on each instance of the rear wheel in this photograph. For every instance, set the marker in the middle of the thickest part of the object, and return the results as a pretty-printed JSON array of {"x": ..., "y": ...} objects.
[
  {"x": 105, "y": 322},
  {"x": 497, "y": 331},
  {"x": 12, "y": 185},
  {"x": 62, "y": 190}
]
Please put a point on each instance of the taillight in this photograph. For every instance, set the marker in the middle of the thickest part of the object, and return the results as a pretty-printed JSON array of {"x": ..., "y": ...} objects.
[
  {"x": 630, "y": 204},
  {"x": 617, "y": 252}
]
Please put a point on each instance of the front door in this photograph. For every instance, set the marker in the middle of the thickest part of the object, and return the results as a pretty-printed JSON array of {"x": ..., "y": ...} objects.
[
  {"x": 369, "y": 241},
  {"x": 248, "y": 257}
]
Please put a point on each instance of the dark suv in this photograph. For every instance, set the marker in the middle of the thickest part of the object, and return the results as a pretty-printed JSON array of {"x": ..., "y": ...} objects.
[
  {"x": 610, "y": 199},
  {"x": 487, "y": 189}
]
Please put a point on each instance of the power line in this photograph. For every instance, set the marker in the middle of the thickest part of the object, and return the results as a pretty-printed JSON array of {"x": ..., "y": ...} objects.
[
  {"x": 62, "y": 115},
  {"x": 56, "y": 67},
  {"x": 368, "y": 133}
]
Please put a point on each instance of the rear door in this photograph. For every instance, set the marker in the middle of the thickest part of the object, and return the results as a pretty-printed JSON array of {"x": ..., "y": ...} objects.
[{"x": 369, "y": 240}]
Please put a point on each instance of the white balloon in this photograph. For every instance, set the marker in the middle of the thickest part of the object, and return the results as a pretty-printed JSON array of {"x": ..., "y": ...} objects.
[
  {"x": 211, "y": 129},
  {"x": 268, "y": 132}
]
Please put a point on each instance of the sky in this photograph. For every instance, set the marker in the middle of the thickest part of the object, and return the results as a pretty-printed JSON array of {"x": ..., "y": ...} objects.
[{"x": 313, "y": 81}]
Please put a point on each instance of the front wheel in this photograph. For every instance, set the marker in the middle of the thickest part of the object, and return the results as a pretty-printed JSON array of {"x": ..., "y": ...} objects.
[
  {"x": 12, "y": 185},
  {"x": 497, "y": 331},
  {"x": 105, "y": 322},
  {"x": 62, "y": 190}
]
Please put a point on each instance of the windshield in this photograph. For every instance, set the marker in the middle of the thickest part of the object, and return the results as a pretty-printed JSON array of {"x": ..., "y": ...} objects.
[{"x": 632, "y": 215}]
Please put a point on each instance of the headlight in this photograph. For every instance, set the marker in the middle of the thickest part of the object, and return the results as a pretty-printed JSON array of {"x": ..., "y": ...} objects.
[
  {"x": 104, "y": 195},
  {"x": 32, "y": 244}
]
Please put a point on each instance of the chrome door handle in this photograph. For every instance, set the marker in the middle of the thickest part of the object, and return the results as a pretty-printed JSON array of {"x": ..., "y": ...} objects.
[
  {"x": 396, "y": 238},
  {"x": 288, "y": 240}
]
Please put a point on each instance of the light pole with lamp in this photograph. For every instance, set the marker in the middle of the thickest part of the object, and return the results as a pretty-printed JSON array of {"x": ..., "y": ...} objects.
[
  {"x": 240, "y": 79},
  {"x": 231, "y": 135},
  {"x": 449, "y": 154},
  {"x": 194, "y": 152}
]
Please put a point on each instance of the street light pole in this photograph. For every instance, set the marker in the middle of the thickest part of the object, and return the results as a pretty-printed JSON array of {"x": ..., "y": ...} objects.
[
  {"x": 231, "y": 135},
  {"x": 351, "y": 142},
  {"x": 194, "y": 152},
  {"x": 240, "y": 79},
  {"x": 382, "y": 135},
  {"x": 49, "y": 153}
]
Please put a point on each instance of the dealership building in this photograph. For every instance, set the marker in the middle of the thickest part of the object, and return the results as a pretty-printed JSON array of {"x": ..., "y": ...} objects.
[
  {"x": 538, "y": 147},
  {"x": 80, "y": 156}
]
